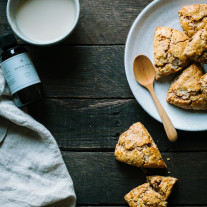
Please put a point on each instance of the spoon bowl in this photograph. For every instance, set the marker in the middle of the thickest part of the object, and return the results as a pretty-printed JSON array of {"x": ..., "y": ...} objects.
[{"x": 144, "y": 73}]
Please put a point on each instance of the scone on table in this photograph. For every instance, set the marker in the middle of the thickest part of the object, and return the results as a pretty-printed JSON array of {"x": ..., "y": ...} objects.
[
  {"x": 185, "y": 91},
  {"x": 162, "y": 184},
  {"x": 203, "y": 82},
  {"x": 196, "y": 48},
  {"x": 169, "y": 45},
  {"x": 154, "y": 193},
  {"x": 193, "y": 18},
  {"x": 136, "y": 147}
]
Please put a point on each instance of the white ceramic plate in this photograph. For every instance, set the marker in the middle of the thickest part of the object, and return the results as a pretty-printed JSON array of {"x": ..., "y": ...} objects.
[{"x": 162, "y": 13}]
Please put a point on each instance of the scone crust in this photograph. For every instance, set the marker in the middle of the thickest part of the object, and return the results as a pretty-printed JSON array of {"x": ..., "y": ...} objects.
[
  {"x": 136, "y": 147},
  {"x": 154, "y": 193},
  {"x": 196, "y": 48},
  {"x": 185, "y": 91},
  {"x": 169, "y": 45},
  {"x": 203, "y": 82},
  {"x": 193, "y": 18}
]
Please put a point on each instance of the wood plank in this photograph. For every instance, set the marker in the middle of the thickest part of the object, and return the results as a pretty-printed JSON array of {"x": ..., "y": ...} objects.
[
  {"x": 100, "y": 21},
  {"x": 87, "y": 72},
  {"x": 84, "y": 124},
  {"x": 100, "y": 179}
]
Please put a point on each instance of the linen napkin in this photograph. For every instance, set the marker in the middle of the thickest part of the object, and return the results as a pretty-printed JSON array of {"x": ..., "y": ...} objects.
[{"x": 32, "y": 171}]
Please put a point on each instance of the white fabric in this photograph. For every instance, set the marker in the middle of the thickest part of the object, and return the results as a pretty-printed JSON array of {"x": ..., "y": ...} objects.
[{"x": 32, "y": 171}]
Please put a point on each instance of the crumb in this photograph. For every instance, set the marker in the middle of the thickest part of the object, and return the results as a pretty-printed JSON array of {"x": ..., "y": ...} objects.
[
  {"x": 169, "y": 172},
  {"x": 168, "y": 158}
]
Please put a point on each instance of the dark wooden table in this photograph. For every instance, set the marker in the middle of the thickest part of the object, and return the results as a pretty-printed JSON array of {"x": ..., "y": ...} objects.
[{"x": 88, "y": 104}]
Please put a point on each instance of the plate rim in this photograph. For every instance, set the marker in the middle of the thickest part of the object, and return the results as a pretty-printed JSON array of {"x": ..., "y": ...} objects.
[{"x": 130, "y": 33}]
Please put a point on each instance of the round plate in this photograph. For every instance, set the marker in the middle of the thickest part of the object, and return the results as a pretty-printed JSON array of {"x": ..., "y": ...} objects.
[{"x": 162, "y": 13}]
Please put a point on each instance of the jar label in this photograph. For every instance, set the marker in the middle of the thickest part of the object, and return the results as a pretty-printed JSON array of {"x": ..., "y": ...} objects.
[{"x": 19, "y": 72}]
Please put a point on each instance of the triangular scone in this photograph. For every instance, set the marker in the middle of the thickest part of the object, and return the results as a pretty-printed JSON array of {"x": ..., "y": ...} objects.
[
  {"x": 185, "y": 91},
  {"x": 154, "y": 193},
  {"x": 143, "y": 196},
  {"x": 193, "y": 18},
  {"x": 162, "y": 184},
  {"x": 196, "y": 48},
  {"x": 169, "y": 45},
  {"x": 136, "y": 147},
  {"x": 204, "y": 84}
]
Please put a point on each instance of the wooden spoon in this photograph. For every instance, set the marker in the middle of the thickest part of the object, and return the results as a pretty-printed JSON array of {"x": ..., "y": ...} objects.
[{"x": 144, "y": 73}]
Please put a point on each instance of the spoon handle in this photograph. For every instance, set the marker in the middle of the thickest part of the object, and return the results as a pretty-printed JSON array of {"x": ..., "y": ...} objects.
[{"x": 169, "y": 128}]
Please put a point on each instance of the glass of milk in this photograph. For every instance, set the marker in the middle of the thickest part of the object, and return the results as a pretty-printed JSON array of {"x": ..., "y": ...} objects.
[{"x": 43, "y": 22}]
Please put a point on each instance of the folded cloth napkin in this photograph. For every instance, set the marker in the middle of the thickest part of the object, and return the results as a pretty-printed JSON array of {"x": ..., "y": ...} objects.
[{"x": 32, "y": 171}]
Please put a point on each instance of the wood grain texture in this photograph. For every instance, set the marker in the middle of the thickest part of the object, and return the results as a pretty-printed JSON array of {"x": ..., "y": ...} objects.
[
  {"x": 84, "y": 124},
  {"x": 100, "y": 179},
  {"x": 86, "y": 72},
  {"x": 101, "y": 21},
  {"x": 88, "y": 105}
]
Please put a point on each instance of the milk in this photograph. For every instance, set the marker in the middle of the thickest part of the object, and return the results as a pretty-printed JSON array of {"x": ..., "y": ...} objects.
[{"x": 45, "y": 20}]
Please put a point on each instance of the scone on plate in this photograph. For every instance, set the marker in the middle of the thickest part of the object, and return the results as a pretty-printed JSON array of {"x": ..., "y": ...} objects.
[
  {"x": 203, "y": 82},
  {"x": 136, "y": 147},
  {"x": 154, "y": 193},
  {"x": 185, "y": 91},
  {"x": 193, "y": 18},
  {"x": 196, "y": 48},
  {"x": 169, "y": 45}
]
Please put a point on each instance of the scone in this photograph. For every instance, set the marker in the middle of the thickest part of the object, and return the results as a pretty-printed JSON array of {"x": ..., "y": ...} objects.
[
  {"x": 185, "y": 91},
  {"x": 162, "y": 184},
  {"x": 169, "y": 45},
  {"x": 154, "y": 193},
  {"x": 193, "y": 18},
  {"x": 196, "y": 48},
  {"x": 203, "y": 82},
  {"x": 144, "y": 195},
  {"x": 136, "y": 147}
]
